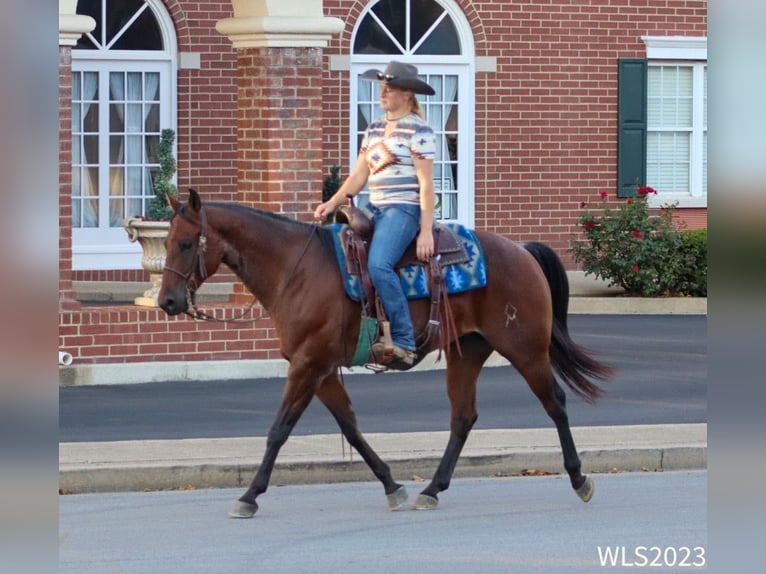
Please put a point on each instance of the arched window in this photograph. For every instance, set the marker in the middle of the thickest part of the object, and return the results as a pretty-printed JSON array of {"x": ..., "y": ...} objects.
[
  {"x": 433, "y": 35},
  {"x": 123, "y": 95}
]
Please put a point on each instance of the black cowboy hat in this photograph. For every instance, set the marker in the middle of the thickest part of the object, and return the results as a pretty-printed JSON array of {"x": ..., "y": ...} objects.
[{"x": 400, "y": 75}]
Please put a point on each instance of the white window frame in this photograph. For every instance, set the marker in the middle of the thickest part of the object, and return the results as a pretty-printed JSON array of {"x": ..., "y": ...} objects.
[
  {"x": 692, "y": 52},
  {"x": 105, "y": 248},
  {"x": 464, "y": 67}
]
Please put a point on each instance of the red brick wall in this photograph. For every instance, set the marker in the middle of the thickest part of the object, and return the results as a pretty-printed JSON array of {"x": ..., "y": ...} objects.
[{"x": 128, "y": 334}]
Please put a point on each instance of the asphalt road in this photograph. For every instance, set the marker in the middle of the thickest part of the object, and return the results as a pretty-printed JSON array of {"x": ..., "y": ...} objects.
[
  {"x": 662, "y": 378},
  {"x": 493, "y": 525}
]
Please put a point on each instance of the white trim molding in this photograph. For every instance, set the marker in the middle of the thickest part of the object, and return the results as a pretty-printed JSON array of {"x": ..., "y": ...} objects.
[
  {"x": 72, "y": 25},
  {"x": 675, "y": 47},
  {"x": 280, "y": 24}
]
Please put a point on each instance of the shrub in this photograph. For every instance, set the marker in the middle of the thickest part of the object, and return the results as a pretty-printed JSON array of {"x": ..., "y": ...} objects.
[
  {"x": 330, "y": 185},
  {"x": 630, "y": 247},
  {"x": 693, "y": 280},
  {"x": 159, "y": 206}
]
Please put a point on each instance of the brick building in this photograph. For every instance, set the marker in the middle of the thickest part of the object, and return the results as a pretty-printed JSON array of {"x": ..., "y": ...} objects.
[{"x": 540, "y": 105}]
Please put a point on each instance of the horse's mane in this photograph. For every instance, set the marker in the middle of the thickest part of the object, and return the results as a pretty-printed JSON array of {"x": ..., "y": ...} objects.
[{"x": 322, "y": 232}]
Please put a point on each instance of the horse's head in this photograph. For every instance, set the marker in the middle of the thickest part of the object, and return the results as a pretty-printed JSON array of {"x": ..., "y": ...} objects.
[{"x": 189, "y": 257}]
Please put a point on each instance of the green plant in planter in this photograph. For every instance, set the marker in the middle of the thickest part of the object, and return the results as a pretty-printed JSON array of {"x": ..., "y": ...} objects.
[
  {"x": 159, "y": 206},
  {"x": 330, "y": 185},
  {"x": 631, "y": 247}
]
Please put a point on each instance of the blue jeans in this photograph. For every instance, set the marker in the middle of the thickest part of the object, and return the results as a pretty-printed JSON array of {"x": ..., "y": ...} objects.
[{"x": 395, "y": 228}]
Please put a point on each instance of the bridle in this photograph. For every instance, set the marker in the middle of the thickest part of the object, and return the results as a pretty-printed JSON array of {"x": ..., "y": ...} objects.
[{"x": 198, "y": 259}]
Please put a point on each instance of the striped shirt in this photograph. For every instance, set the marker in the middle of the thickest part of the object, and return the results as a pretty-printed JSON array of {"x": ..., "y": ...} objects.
[{"x": 393, "y": 178}]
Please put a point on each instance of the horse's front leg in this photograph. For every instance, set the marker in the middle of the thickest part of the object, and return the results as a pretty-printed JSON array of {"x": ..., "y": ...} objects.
[
  {"x": 334, "y": 396},
  {"x": 298, "y": 393},
  {"x": 462, "y": 374}
]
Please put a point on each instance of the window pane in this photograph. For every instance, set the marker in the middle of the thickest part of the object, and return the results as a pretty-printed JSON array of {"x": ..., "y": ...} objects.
[
  {"x": 133, "y": 183},
  {"x": 152, "y": 149},
  {"x": 116, "y": 113},
  {"x": 90, "y": 147},
  {"x": 152, "y": 123},
  {"x": 133, "y": 152},
  {"x": 90, "y": 213},
  {"x": 423, "y": 14},
  {"x": 116, "y": 86},
  {"x": 76, "y": 91},
  {"x": 133, "y": 123},
  {"x": 133, "y": 207},
  {"x": 668, "y": 161},
  {"x": 143, "y": 34},
  {"x": 116, "y": 181},
  {"x": 76, "y": 213},
  {"x": 442, "y": 41},
  {"x": 371, "y": 39},
  {"x": 90, "y": 121},
  {"x": 116, "y": 149},
  {"x": 704, "y": 163},
  {"x": 392, "y": 15},
  {"x": 76, "y": 154},
  {"x": 436, "y": 83},
  {"x": 135, "y": 91}
]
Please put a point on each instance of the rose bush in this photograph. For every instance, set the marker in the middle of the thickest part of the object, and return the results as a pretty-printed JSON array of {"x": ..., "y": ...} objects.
[{"x": 639, "y": 250}]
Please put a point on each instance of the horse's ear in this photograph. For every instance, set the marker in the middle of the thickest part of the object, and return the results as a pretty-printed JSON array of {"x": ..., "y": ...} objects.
[
  {"x": 194, "y": 201},
  {"x": 174, "y": 203}
]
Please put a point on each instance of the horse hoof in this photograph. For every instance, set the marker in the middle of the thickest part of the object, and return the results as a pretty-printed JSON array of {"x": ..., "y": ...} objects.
[
  {"x": 425, "y": 502},
  {"x": 585, "y": 492},
  {"x": 397, "y": 498},
  {"x": 243, "y": 509}
]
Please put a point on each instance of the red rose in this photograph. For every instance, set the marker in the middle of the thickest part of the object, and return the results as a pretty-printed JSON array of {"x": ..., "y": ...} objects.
[
  {"x": 583, "y": 204},
  {"x": 603, "y": 195},
  {"x": 635, "y": 269},
  {"x": 590, "y": 224},
  {"x": 638, "y": 234}
]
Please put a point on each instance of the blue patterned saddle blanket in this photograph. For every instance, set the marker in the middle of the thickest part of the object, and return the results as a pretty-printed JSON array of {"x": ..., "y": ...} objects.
[{"x": 458, "y": 277}]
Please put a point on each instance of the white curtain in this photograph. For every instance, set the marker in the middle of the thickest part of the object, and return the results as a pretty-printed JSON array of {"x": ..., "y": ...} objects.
[
  {"x": 89, "y": 181},
  {"x": 131, "y": 152},
  {"x": 117, "y": 91}
]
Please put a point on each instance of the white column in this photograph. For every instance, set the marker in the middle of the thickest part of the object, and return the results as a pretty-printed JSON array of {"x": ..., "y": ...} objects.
[
  {"x": 71, "y": 24},
  {"x": 279, "y": 23}
]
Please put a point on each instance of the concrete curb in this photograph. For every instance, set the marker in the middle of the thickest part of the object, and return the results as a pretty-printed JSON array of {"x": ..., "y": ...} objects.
[{"x": 228, "y": 463}]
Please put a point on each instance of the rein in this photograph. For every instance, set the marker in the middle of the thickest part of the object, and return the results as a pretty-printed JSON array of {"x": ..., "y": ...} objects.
[{"x": 199, "y": 255}]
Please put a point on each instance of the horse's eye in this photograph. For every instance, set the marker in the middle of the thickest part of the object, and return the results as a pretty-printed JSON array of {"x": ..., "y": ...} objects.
[{"x": 186, "y": 244}]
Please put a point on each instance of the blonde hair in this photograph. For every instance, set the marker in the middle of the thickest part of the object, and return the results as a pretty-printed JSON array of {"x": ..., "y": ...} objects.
[{"x": 416, "y": 108}]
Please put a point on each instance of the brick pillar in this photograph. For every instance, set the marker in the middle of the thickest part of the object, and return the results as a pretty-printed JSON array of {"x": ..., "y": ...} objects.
[
  {"x": 67, "y": 296},
  {"x": 279, "y": 117},
  {"x": 279, "y": 133},
  {"x": 71, "y": 27}
]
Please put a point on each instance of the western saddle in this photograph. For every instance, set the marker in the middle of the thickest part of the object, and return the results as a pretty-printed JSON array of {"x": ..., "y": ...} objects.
[{"x": 448, "y": 250}]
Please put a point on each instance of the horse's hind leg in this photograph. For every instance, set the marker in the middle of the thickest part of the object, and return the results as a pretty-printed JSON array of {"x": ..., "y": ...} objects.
[
  {"x": 540, "y": 378},
  {"x": 334, "y": 396},
  {"x": 462, "y": 374}
]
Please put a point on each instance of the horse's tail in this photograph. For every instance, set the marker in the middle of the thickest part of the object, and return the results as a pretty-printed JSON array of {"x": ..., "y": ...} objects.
[{"x": 573, "y": 363}]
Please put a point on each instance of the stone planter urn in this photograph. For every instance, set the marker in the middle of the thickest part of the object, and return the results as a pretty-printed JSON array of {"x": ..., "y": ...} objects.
[{"x": 151, "y": 236}]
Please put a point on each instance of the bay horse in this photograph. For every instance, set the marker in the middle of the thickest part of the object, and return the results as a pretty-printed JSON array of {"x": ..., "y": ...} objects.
[{"x": 291, "y": 268}]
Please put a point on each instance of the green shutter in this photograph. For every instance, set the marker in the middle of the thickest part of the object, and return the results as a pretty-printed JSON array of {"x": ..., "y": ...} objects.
[{"x": 631, "y": 119}]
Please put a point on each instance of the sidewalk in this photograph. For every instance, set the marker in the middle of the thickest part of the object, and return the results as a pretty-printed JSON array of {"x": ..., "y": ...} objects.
[{"x": 228, "y": 463}]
